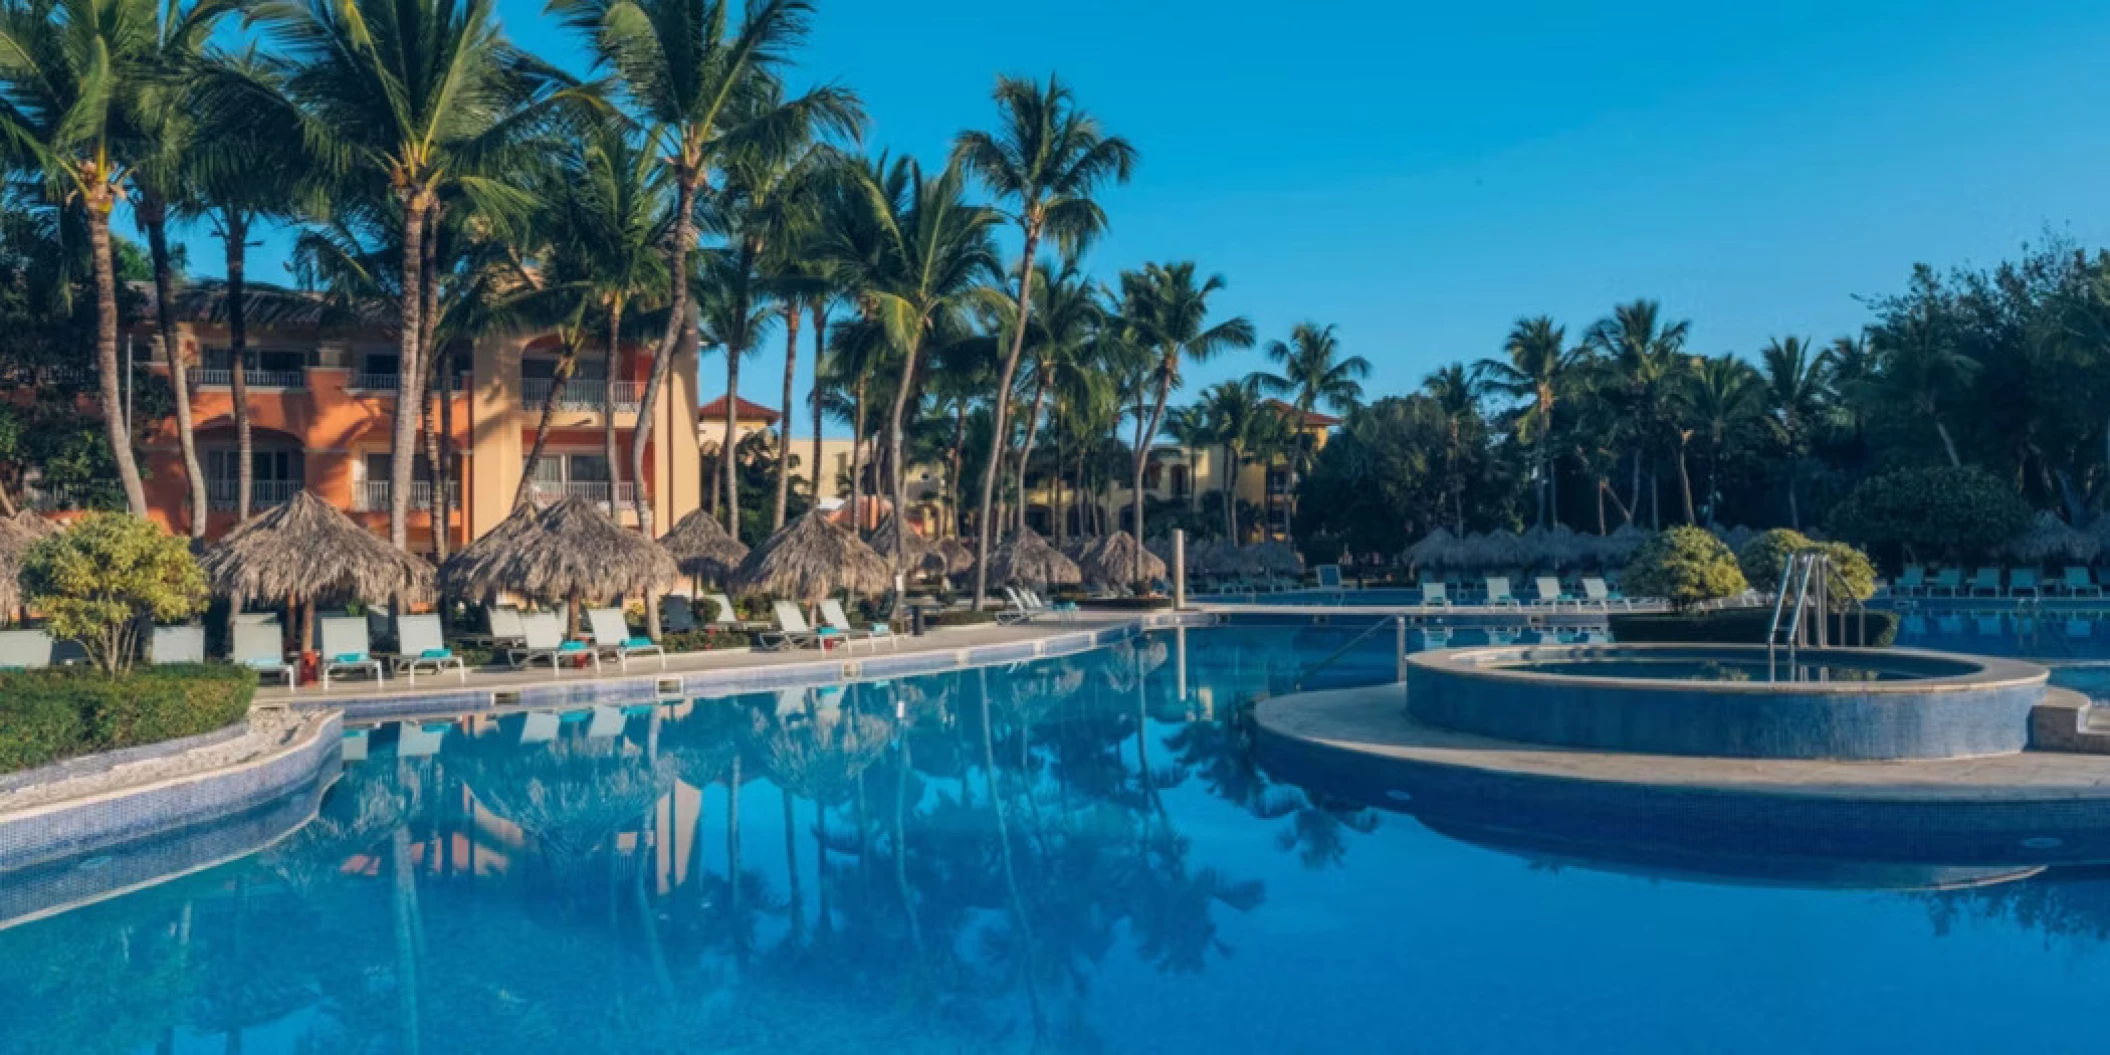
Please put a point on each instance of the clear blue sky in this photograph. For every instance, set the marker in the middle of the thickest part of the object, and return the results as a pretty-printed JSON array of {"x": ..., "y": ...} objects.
[{"x": 1423, "y": 174}]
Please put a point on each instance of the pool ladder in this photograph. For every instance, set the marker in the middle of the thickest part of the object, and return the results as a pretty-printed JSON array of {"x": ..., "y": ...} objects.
[
  {"x": 1806, "y": 585},
  {"x": 1398, "y": 623}
]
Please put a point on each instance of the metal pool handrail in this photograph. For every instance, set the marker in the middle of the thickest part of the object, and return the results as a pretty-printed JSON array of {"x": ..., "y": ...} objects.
[{"x": 1399, "y": 624}]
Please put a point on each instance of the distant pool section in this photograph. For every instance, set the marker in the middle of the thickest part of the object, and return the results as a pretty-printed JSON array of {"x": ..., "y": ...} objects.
[{"x": 1730, "y": 701}]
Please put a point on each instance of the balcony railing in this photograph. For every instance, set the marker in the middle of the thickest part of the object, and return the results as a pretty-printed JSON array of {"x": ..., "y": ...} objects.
[
  {"x": 372, "y": 496},
  {"x": 263, "y": 494},
  {"x": 83, "y": 494},
  {"x": 223, "y": 377},
  {"x": 582, "y": 396},
  {"x": 375, "y": 382},
  {"x": 544, "y": 492}
]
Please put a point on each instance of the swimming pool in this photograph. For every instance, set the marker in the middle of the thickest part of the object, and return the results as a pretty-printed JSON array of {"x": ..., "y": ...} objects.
[{"x": 1128, "y": 881}]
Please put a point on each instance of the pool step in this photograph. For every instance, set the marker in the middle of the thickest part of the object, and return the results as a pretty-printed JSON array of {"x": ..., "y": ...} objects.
[{"x": 2068, "y": 721}]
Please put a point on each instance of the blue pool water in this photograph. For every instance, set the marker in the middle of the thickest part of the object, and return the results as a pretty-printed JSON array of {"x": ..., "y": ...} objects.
[{"x": 1071, "y": 855}]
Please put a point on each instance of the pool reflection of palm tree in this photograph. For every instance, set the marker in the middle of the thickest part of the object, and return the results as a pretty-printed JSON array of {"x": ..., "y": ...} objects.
[{"x": 816, "y": 752}]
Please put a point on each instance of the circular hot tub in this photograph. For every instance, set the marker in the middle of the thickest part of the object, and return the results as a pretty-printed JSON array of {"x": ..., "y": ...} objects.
[{"x": 1731, "y": 700}]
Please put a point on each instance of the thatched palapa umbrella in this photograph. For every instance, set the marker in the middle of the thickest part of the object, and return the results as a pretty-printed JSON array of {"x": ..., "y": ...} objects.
[
  {"x": 476, "y": 570},
  {"x": 305, "y": 551},
  {"x": 1278, "y": 558},
  {"x": 1437, "y": 549},
  {"x": 2049, "y": 538},
  {"x": 810, "y": 558},
  {"x": 1119, "y": 558},
  {"x": 1619, "y": 547},
  {"x": 959, "y": 556},
  {"x": 701, "y": 548},
  {"x": 918, "y": 554},
  {"x": 1076, "y": 547},
  {"x": 17, "y": 534},
  {"x": 569, "y": 552},
  {"x": 1026, "y": 559}
]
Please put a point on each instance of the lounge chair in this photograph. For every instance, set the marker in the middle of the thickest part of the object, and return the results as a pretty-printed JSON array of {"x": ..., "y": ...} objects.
[
  {"x": 504, "y": 626},
  {"x": 177, "y": 644},
  {"x": 25, "y": 649},
  {"x": 1435, "y": 595},
  {"x": 611, "y": 637},
  {"x": 246, "y": 618},
  {"x": 725, "y": 616},
  {"x": 832, "y": 613},
  {"x": 1329, "y": 576},
  {"x": 1435, "y": 637},
  {"x": 1498, "y": 594},
  {"x": 418, "y": 740},
  {"x": 420, "y": 645},
  {"x": 260, "y": 647},
  {"x": 1596, "y": 592},
  {"x": 677, "y": 615},
  {"x": 1501, "y": 637},
  {"x": 346, "y": 649},
  {"x": 2079, "y": 583},
  {"x": 1987, "y": 581},
  {"x": 1014, "y": 611},
  {"x": 1063, "y": 610},
  {"x": 792, "y": 631},
  {"x": 544, "y": 640},
  {"x": 1912, "y": 581},
  {"x": 540, "y": 727},
  {"x": 1550, "y": 592},
  {"x": 2020, "y": 579},
  {"x": 607, "y": 723},
  {"x": 1946, "y": 581}
]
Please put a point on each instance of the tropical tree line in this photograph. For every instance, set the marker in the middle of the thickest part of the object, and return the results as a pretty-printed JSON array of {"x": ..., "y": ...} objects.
[{"x": 2001, "y": 373}]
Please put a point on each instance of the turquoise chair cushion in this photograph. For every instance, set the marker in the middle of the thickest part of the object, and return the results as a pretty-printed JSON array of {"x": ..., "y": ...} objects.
[
  {"x": 350, "y": 657},
  {"x": 572, "y": 646},
  {"x": 437, "y": 653},
  {"x": 638, "y": 642}
]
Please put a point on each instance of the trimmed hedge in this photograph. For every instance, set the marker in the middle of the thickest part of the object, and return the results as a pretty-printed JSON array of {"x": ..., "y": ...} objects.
[
  {"x": 1743, "y": 627},
  {"x": 1127, "y": 604},
  {"x": 959, "y": 617},
  {"x": 704, "y": 640},
  {"x": 50, "y": 715}
]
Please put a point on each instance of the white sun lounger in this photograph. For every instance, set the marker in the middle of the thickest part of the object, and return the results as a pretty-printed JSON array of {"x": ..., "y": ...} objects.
[
  {"x": 420, "y": 645},
  {"x": 1550, "y": 592},
  {"x": 347, "y": 650},
  {"x": 260, "y": 647},
  {"x": 792, "y": 630},
  {"x": 1986, "y": 581},
  {"x": 832, "y": 613},
  {"x": 607, "y": 723},
  {"x": 611, "y": 637},
  {"x": 545, "y": 641},
  {"x": 727, "y": 617},
  {"x": 1596, "y": 592},
  {"x": 2020, "y": 579},
  {"x": 1435, "y": 595},
  {"x": 177, "y": 644},
  {"x": 2079, "y": 582},
  {"x": 1947, "y": 580},
  {"x": 24, "y": 649},
  {"x": 1015, "y": 611},
  {"x": 540, "y": 728},
  {"x": 413, "y": 740},
  {"x": 1498, "y": 594}
]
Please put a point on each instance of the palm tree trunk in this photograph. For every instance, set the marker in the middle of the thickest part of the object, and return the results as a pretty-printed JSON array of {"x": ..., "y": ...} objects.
[
  {"x": 1025, "y": 448},
  {"x": 1230, "y": 494},
  {"x": 900, "y": 477},
  {"x": 791, "y": 362},
  {"x": 954, "y": 458},
  {"x": 443, "y": 473},
  {"x": 115, "y": 428},
  {"x": 1002, "y": 410},
  {"x": 1146, "y": 431},
  {"x": 1948, "y": 444},
  {"x": 611, "y": 369},
  {"x": 1685, "y": 484},
  {"x": 908, "y": 900},
  {"x": 235, "y": 229},
  {"x": 562, "y": 378},
  {"x": 857, "y": 469},
  {"x": 153, "y": 214},
  {"x": 797, "y": 899},
  {"x": 663, "y": 355},
  {"x": 820, "y": 348},
  {"x": 409, "y": 328}
]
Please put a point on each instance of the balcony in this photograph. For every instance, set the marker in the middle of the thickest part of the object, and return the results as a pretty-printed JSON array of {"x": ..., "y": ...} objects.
[
  {"x": 223, "y": 377},
  {"x": 82, "y": 494},
  {"x": 584, "y": 397},
  {"x": 372, "y": 496},
  {"x": 363, "y": 382},
  {"x": 544, "y": 492},
  {"x": 263, "y": 494}
]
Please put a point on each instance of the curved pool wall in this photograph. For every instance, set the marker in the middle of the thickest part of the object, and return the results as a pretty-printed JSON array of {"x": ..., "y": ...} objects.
[{"x": 1963, "y": 706}]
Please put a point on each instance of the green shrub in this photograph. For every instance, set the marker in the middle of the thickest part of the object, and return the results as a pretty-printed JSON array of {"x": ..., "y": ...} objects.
[
  {"x": 48, "y": 715},
  {"x": 1126, "y": 604},
  {"x": 1855, "y": 572},
  {"x": 1685, "y": 566},
  {"x": 959, "y": 617},
  {"x": 99, "y": 581},
  {"x": 705, "y": 640},
  {"x": 1744, "y": 626},
  {"x": 1764, "y": 557},
  {"x": 1938, "y": 513}
]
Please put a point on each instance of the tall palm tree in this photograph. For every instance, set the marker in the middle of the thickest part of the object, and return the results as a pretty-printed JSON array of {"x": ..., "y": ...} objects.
[
  {"x": 1645, "y": 359},
  {"x": 1167, "y": 311},
  {"x": 1045, "y": 161},
  {"x": 411, "y": 101},
  {"x": 166, "y": 109},
  {"x": 935, "y": 255},
  {"x": 1798, "y": 379},
  {"x": 1457, "y": 397},
  {"x": 1067, "y": 314},
  {"x": 714, "y": 88},
  {"x": 71, "y": 74},
  {"x": 1721, "y": 396},
  {"x": 1537, "y": 368},
  {"x": 1312, "y": 371},
  {"x": 1234, "y": 411}
]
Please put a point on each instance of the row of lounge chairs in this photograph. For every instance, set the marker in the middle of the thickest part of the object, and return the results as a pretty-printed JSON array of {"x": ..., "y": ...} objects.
[
  {"x": 1023, "y": 605},
  {"x": 2077, "y": 581},
  {"x": 1496, "y": 593}
]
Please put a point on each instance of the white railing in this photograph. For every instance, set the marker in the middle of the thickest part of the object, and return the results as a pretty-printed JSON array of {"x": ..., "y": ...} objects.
[
  {"x": 263, "y": 494},
  {"x": 221, "y": 377},
  {"x": 544, "y": 492},
  {"x": 84, "y": 494},
  {"x": 375, "y": 382},
  {"x": 581, "y": 396},
  {"x": 372, "y": 496}
]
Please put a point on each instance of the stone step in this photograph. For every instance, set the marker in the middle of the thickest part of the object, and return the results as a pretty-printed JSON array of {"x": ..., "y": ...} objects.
[{"x": 2068, "y": 721}]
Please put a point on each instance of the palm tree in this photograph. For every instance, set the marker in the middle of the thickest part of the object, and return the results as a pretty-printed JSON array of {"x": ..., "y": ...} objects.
[
  {"x": 1797, "y": 380},
  {"x": 935, "y": 252},
  {"x": 166, "y": 108},
  {"x": 800, "y": 279},
  {"x": 1645, "y": 358},
  {"x": 1457, "y": 398},
  {"x": 1922, "y": 368},
  {"x": 72, "y": 73},
  {"x": 1066, "y": 318},
  {"x": 1167, "y": 312},
  {"x": 1537, "y": 369},
  {"x": 714, "y": 89},
  {"x": 1313, "y": 372},
  {"x": 1046, "y": 160},
  {"x": 1234, "y": 411},
  {"x": 424, "y": 98},
  {"x": 1722, "y": 395}
]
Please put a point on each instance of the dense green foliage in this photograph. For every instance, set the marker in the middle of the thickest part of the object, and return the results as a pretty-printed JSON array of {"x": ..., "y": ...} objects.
[
  {"x": 1747, "y": 626},
  {"x": 100, "y": 580},
  {"x": 1931, "y": 513},
  {"x": 1764, "y": 557},
  {"x": 48, "y": 715},
  {"x": 1685, "y": 566}
]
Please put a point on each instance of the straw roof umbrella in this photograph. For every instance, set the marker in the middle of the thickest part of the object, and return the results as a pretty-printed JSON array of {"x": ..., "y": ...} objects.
[
  {"x": 17, "y": 534},
  {"x": 1619, "y": 546},
  {"x": 1437, "y": 549},
  {"x": 1119, "y": 558},
  {"x": 1026, "y": 559},
  {"x": 1278, "y": 558},
  {"x": 701, "y": 548},
  {"x": 568, "y": 552},
  {"x": 918, "y": 554},
  {"x": 1225, "y": 558},
  {"x": 810, "y": 558},
  {"x": 959, "y": 557},
  {"x": 1078, "y": 546},
  {"x": 304, "y": 551},
  {"x": 2049, "y": 538},
  {"x": 476, "y": 570}
]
